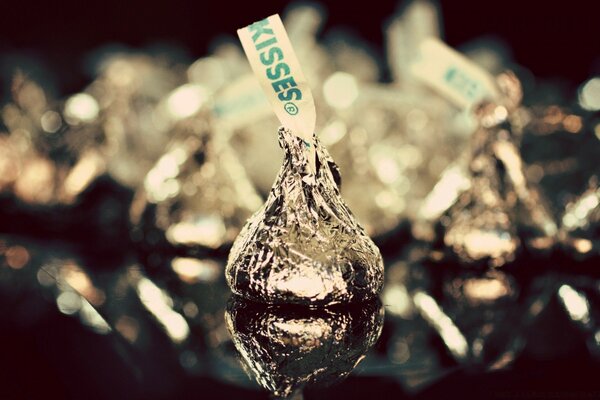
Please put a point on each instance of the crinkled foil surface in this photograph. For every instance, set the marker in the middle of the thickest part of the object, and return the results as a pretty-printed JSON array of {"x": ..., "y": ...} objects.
[
  {"x": 304, "y": 246},
  {"x": 286, "y": 348}
]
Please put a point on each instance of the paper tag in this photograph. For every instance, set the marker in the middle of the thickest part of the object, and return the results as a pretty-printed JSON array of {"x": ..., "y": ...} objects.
[
  {"x": 241, "y": 103},
  {"x": 453, "y": 75},
  {"x": 276, "y": 66},
  {"x": 419, "y": 20}
]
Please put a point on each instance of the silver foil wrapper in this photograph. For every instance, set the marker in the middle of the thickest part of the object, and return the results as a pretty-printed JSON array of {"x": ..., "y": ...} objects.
[
  {"x": 288, "y": 348},
  {"x": 197, "y": 197},
  {"x": 480, "y": 222},
  {"x": 500, "y": 206},
  {"x": 304, "y": 246},
  {"x": 135, "y": 96},
  {"x": 394, "y": 150},
  {"x": 51, "y": 151}
]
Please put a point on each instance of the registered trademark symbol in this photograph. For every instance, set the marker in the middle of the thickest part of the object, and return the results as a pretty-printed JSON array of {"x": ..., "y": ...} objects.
[{"x": 291, "y": 108}]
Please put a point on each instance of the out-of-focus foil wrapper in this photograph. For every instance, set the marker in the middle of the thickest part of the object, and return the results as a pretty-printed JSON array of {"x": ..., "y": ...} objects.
[
  {"x": 391, "y": 140},
  {"x": 480, "y": 225},
  {"x": 197, "y": 197},
  {"x": 485, "y": 318},
  {"x": 560, "y": 143},
  {"x": 52, "y": 167},
  {"x": 288, "y": 348},
  {"x": 50, "y": 153},
  {"x": 494, "y": 207},
  {"x": 304, "y": 245},
  {"x": 137, "y": 105},
  {"x": 580, "y": 228},
  {"x": 392, "y": 145}
]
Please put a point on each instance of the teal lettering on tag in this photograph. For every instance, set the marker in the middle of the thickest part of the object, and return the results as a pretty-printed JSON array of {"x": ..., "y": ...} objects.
[
  {"x": 277, "y": 70},
  {"x": 461, "y": 82}
]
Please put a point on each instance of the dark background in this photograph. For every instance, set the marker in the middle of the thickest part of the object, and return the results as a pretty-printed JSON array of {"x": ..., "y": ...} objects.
[{"x": 553, "y": 39}]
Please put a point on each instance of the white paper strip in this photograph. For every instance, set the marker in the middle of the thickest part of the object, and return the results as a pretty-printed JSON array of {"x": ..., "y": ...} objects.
[
  {"x": 276, "y": 66},
  {"x": 453, "y": 75}
]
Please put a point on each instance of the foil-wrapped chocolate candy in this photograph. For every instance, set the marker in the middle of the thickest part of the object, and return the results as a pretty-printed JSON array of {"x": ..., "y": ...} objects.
[
  {"x": 138, "y": 101},
  {"x": 53, "y": 167},
  {"x": 304, "y": 245},
  {"x": 392, "y": 145},
  {"x": 499, "y": 205},
  {"x": 196, "y": 198},
  {"x": 51, "y": 152},
  {"x": 288, "y": 348},
  {"x": 479, "y": 223}
]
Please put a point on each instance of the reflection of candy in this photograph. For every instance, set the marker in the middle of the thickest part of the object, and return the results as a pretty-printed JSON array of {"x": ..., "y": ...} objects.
[
  {"x": 484, "y": 317},
  {"x": 580, "y": 298},
  {"x": 304, "y": 246},
  {"x": 287, "y": 348}
]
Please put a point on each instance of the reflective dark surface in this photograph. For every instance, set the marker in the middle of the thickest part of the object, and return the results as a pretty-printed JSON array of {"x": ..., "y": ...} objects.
[
  {"x": 286, "y": 348},
  {"x": 81, "y": 325}
]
